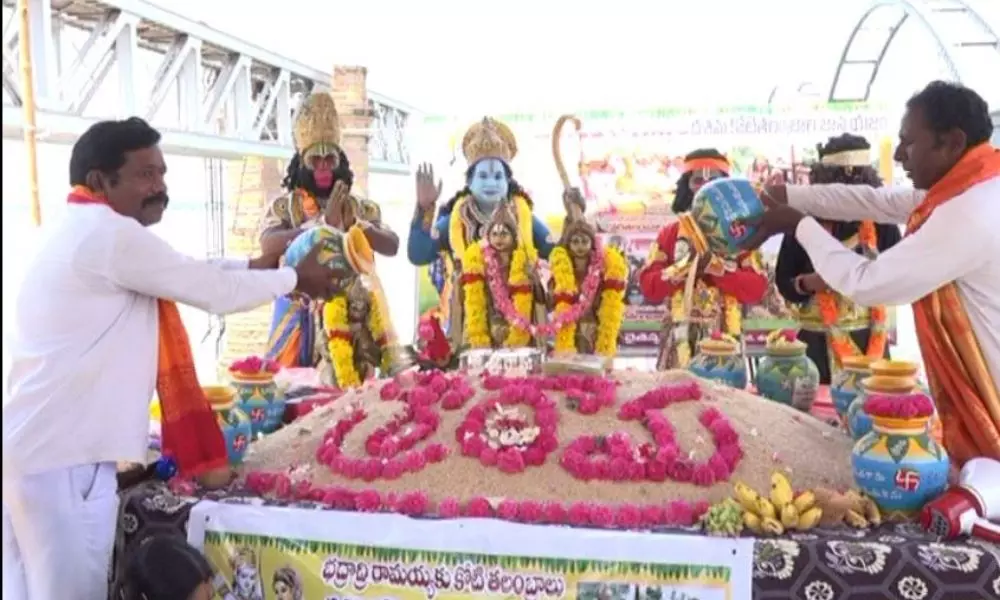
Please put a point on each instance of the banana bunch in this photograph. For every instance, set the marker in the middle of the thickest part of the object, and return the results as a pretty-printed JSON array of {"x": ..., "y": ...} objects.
[
  {"x": 780, "y": 510},
  {"x": 723, "y": 519}
]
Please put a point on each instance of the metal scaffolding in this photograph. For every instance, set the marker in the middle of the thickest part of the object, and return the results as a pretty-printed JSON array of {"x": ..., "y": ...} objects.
[
  {"x": 962, "y": 37},
  {"x": 231, "y": 98}
]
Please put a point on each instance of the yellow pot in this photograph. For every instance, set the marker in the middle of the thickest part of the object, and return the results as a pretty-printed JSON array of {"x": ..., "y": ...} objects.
[{"x": 894, "y": 368}]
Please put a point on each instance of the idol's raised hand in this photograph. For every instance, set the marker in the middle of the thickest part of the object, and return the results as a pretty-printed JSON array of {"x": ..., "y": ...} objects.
[{"x": 428, "y": 188}]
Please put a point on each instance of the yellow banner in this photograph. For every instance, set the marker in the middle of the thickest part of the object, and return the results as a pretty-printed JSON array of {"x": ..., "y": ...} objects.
[{"x": 258, "y": 567}]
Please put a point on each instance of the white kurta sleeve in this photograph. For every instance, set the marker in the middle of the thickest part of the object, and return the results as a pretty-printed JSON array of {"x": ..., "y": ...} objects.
[
  {"x": 839, "y": 202},
  {"x": 141, "y": 261},
  {"x": 933, "y": 256},
  {"x": 231, "y": 264}
]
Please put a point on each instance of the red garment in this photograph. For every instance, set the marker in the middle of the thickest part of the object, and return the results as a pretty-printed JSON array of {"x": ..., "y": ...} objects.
[{"x": 746, "y": 284}]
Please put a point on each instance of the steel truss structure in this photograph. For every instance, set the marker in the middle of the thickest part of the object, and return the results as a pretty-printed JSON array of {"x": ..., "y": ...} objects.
[
  {"x": 230, "y": 98},
  {"x": 969, "y": 39}
]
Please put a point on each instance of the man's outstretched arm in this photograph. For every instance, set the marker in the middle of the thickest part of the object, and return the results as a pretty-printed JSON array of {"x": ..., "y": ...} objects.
[{"x": 840, "y": 202}]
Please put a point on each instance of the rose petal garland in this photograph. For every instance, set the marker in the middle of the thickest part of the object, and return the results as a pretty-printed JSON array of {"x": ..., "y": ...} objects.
[
  {"x": 616, "y": 458},
  {"x": 906, "y": 406},
  {"x": 512, "y": 458}
]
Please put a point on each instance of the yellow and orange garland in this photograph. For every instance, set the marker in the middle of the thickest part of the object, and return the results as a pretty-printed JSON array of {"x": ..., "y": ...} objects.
[
  {"x": 827, "y": 301},
  {"x": 475, "y": 301},
  {"x": 611, "y": 309},
  {"x": 339, "y": 343},
  {"x": 525, "y": 224}
]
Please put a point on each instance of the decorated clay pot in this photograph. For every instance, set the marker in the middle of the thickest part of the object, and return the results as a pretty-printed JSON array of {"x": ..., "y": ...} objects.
[
  {"x": 889, "y": 377},
  {"x": 899, "y": 464},
  {"x": 719, "y": 359},
  {"x": 349, "y": 252},
  {"x": 846, "y": 384},
  {"x": 786, "y": 374},
  {"x": 720, "y": 209},
  {"x": 258, "y": 396},
  {"x": 234, "y": 423}
]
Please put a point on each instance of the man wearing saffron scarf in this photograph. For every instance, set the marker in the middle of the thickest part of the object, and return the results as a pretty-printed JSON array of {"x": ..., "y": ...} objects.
[
  {"x": 96, "y": 331},
  {"x": 947, "y": 265}
]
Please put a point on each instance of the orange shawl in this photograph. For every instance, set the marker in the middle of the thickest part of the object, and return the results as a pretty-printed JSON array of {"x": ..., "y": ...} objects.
[
  {"x": 190, "y": 431},
  {"x": 963, "y": 388}
]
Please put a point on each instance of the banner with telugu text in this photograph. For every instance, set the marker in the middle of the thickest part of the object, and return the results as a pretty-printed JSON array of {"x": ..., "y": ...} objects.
[
  {"x": 261, "y": 553},
  {"x": 628, "y": 165}
]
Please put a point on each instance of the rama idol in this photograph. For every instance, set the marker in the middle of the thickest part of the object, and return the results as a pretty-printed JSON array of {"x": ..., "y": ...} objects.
[
  {"x": 488, "y": 146},
  {"x": 318, "y": 183},
  {"x": 723, "y": 285}
]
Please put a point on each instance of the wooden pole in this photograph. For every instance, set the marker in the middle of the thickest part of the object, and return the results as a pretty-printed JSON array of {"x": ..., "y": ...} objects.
[{"x": 28, "y": 106}]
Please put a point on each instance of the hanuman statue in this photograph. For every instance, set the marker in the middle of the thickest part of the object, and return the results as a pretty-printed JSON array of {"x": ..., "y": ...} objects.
[
  {"x": 488, "y": 146},
  {"x": 704, "y": 292},
  {"x": 318, "y": 182}
]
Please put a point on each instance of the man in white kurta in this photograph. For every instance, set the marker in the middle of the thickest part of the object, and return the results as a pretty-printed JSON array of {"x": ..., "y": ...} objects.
[
  {"x": 959, "y": 243},
  {"x": 84, "y": 350}
]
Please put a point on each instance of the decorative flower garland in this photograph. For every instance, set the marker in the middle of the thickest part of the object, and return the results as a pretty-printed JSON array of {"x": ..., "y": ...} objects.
[
  {"x": 510, "y": 456},
  {"x": 616, "y": 458},
  {"x": 479, "y": 267},
  {"x": 677, "y": 513},
  {"x": 571, "y": 300},
  {"x": 841, "y": 343},
  {"x": 907, "y": 406},
  {"x": 339, "y": 344}
]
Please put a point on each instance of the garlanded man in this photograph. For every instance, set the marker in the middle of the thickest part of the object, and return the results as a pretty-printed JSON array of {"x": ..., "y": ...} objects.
[
  {"x": 947, "y": 265},
  {"x": 832, "y": 326},
  {"x": 96, "y": 331},
  {"x": 318, "y": 182},
  {"x": 489, "y": 146},
  {"x": 723, "y": 285}
]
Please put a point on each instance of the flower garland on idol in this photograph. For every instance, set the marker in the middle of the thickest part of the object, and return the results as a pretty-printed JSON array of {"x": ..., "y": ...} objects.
[
  {"x": 339, "y": 344},
  {"x": 827, "y": 301},
  {"x": 606, "y": 273},
  {"x": 513, "y": 298}
]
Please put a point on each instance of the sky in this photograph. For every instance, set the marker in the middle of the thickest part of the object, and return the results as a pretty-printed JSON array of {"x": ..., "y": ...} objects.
[{"x": 454, "y": 56}]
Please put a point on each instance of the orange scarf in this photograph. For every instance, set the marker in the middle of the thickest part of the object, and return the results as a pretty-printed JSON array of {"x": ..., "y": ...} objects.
[
  {"x": 190, "y": 429},
  {"x": 963, "y": 388}
]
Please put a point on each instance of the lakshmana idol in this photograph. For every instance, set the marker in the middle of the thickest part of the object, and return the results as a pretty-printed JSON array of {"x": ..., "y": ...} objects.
[
  {"x": 318, "y": 181},
  {"x": 711, "y": 300},
  {"x": 488, "y": 146},
  {"x": 832, "y": 326}
]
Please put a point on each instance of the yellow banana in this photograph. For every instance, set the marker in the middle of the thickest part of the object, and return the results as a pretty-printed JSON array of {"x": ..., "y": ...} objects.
[
  {"x": 804, "y": 501},
  {"x": 765, "y": 509},
  {"x": 752, "y": 522},
  {"x": 872, "y": 512},
  {"x": 746, "y": 496},
  {"x": 855, "y": 519},
  {"x": 772, "y": 526},
  {"x": 789, "y": 516},
  {"x": 781, "y": 490},
  {"x": 810, "y": 518}
]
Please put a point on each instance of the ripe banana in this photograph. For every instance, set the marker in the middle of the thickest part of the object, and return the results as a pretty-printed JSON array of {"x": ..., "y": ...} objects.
[
  {"x": 872, "y": 512},
  {"x": 781, "y": 490},
  {"x": 789, "y": 516},
  {"x": 804, "y": 501},
  {"x": 746, "y": 496},
  {"x": 810, "y": 518},
  {"x": 752, "y": 522},
  {"x": 765, "y": 509},
  {"x": 772, "y": 526},
  {"x": 855, "y": 519}
]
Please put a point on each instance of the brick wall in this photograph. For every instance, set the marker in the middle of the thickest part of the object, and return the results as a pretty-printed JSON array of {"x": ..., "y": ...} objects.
[{"x": 350, "y": 92}]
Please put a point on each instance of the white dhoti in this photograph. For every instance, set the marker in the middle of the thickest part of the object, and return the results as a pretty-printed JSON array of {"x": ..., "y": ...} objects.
[{"x": 58, "y": 533}]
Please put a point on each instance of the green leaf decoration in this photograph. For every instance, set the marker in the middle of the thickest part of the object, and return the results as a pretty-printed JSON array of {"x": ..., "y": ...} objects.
[
  {"x": 868, "y": 442},
  {"x": 898, "y": 446}
]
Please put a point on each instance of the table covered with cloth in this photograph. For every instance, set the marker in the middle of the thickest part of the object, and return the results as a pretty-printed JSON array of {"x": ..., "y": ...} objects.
[{"x": 892, "y": 561}]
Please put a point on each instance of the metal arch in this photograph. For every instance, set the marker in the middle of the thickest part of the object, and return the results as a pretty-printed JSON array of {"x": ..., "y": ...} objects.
[{"x": 909, "y": 10}]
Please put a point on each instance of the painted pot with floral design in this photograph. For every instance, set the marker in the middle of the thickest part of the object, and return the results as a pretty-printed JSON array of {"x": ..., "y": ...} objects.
[
  {"x": 889, "y": 377},
  {"x": 256, "y": 392},
  {"x": 786, "y": 374},
  {"x": 719, "y": 211},
  {"x": 898, "y": 463},
  {"x": 719, "y": 359},
  {"x": 846, "y": 384},
  {"x": 234, "y": 423}
]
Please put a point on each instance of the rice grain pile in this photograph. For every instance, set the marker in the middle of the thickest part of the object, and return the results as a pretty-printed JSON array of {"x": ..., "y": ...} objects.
[{"x": 772, "y": 436}]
